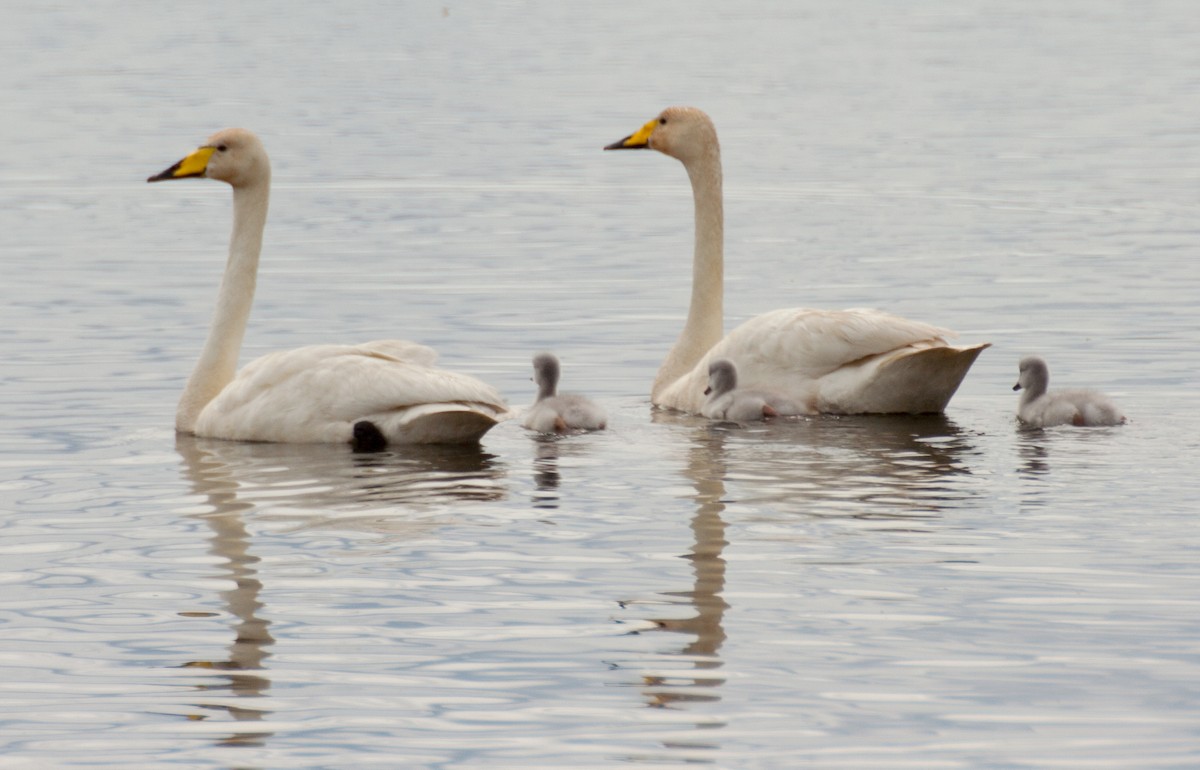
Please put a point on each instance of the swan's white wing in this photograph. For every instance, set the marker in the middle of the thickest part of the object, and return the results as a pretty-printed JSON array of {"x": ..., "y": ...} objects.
[
  {"x": 817, "y": 342},
  {"x": 831, "y": 361},
  {"x": 317, "y": 393},
  {"x": 399, "y": 350}
]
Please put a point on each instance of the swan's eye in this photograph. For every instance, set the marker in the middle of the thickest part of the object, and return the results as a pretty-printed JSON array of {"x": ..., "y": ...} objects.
[
  {"x": 662, "y": 121},
  {"x": 221, "y": 148}
]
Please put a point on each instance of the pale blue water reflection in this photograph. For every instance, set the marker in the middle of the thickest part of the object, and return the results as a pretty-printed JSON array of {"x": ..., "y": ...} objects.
[{"x": 855, "y": 592}]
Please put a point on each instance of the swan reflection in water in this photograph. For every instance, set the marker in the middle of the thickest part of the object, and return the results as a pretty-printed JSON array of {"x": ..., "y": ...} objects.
[
  {"x": 1061, "y": 449},
  {"x": 549, "y": 450},
  {"x": 884, "y": 468},
  {"x": 318, "y": 486},
  {"x": 243, "y": 667},
  {"x": 315, "y": 485},
  {"x": 546, "y": 477},
  {"x": 705, "y": 470}
]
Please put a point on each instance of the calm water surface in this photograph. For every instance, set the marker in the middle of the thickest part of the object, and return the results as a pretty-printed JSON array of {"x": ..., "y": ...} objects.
[{"x": 947, "y": 592}]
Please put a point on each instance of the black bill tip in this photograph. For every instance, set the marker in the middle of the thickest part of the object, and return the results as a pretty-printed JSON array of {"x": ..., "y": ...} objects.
[
  {"x": 165, "y": 175},
  {"x": 621, "y": 145}
]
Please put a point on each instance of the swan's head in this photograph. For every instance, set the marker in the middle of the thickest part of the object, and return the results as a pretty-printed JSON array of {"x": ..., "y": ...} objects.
[
  {"x": 545, "y": 373},
  {"x": 684, "y": 133},
  {"x": 234, "y": 155},
  {"x": 722, "y": 377},
  {"x": 1033, "y": 374}
]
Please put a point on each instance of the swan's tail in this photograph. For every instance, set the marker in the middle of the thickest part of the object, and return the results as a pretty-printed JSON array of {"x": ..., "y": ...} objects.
[
  {"x": 920, "y": 381},
  {"x": 449, "y": 423}
]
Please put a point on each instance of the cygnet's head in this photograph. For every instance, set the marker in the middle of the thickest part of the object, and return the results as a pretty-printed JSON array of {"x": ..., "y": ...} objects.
[
  {"x": 1033, "y": 374},
  {"x": 234, "y": 155},
  {"x": 545, "y": 374},
  {"x": 684, "y": 133},
  {"x": 722, "y": 377}
]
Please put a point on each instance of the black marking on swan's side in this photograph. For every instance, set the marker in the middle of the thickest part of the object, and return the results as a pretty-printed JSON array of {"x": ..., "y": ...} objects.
[{"x": 368, "y": 437}]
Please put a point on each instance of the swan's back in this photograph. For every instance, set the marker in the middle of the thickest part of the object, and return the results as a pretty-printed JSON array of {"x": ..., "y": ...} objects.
[
  {"x": 318, "y": 393},
  {"x": 854, "y": 361}
]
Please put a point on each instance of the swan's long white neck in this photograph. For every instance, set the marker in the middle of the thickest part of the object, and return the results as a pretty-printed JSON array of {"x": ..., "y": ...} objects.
[
  {"x": 705, "y": 321},
  {"x": 218, "y": 360}
]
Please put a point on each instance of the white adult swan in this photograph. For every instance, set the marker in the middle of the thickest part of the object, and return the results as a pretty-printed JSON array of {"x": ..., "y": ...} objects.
[
  {"x": 553, "y": 413},
  {"x": 372, "y": 394},
  {"x": 1042, "y": 408},
  {"x": 828, "y": 361},
  {"x": 726, "y": 401}
]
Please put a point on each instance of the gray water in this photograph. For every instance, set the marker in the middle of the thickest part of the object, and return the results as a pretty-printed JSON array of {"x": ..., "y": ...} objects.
[{"x": 946, "y": 592}]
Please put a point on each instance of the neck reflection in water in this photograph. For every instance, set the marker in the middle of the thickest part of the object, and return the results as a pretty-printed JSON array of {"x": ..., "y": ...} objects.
[
  {"x": 706, "y": 471},
  {"x": 893, "y": 471},
  {"x": 243, "y": 669},
  {"x": 308, "y": 486}
]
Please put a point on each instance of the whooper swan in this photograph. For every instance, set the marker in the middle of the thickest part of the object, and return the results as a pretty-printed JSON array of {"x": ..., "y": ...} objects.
[
  {"x": 828, "y": 361},
  {"x": 1041, "y": 408},
  {"x": 553, "y": 413},
  {"x": 377, "y": 393}
]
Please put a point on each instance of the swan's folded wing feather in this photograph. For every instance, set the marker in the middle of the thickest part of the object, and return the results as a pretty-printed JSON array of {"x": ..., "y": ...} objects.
[
  {"x": 317, "y": 393},
  {"x": 816, "y": 342},
  {"x": 398, "y": 350},
  {"x": 791, "y": 350}
]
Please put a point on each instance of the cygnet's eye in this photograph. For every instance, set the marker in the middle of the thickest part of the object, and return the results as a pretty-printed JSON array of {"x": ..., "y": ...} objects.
[
  {"x": 662, "y": 121},
  {"x": 221, "y": 148}
]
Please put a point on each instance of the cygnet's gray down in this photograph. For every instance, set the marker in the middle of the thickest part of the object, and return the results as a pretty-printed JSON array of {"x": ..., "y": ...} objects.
[
  {"x": 727, "y": 402},
  {"x": 553, "y": 413},
  {"x": 1042, "y": 408}
]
